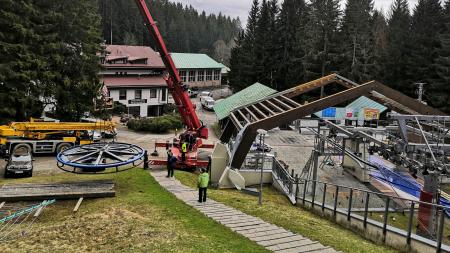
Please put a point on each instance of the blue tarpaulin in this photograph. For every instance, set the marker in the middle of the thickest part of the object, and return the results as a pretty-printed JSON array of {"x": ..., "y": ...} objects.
[{"x": 403, "y": 183}]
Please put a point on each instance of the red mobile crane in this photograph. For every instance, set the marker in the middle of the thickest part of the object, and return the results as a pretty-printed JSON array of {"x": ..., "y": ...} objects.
[{"x": 195, "y": 131}]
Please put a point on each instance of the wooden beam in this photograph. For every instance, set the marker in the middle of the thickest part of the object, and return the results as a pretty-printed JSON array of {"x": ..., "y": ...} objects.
[
  {"x": 78, "y": 204},
  {"x": 290, "y": 101},
  {"x": 38, "y": 212},
  {"x": 282, "y": 103},
  {"x": 235, "y": 121},
  {"x": 274, "y": 106},
  {"x": 75, "y": 190},
  {"x": 266, "y": 108},
  {"x": 259, "y": 111},
  {"x": 243, "y": 116},
  {"x": 252, "y": 114}
]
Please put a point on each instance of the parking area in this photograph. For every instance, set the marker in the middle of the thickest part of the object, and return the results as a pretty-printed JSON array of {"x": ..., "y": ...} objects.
[{"x": 46, "y": 164}]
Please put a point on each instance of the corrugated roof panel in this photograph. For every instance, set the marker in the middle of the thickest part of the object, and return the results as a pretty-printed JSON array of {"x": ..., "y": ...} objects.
[
  {"x": 194, "y": 61},
  {"x": 244, "y": 97},
  {"x": 365, "y": 102}
]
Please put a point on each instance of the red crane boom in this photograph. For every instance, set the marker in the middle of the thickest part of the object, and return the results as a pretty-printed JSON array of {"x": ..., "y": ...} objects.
[{"x": 173, "y": 80}]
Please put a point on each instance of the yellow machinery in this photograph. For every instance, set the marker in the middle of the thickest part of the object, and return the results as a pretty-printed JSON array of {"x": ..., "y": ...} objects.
[{"x": 49, "y": 137}]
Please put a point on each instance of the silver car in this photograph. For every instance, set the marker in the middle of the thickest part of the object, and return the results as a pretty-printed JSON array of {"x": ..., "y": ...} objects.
[{"x": 19, "y": 164}]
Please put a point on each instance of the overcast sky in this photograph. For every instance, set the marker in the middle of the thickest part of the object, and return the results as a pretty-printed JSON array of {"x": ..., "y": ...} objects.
[{"x": 240, "y": 8}]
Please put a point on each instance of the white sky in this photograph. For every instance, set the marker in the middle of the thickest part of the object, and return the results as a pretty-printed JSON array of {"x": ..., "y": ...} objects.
[{"x": 240, "y": 8}]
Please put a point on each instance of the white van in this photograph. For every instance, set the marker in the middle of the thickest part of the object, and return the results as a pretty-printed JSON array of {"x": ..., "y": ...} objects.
[
  {"x": 205, "y": 94},
  {"x": 208, "y": 103}
]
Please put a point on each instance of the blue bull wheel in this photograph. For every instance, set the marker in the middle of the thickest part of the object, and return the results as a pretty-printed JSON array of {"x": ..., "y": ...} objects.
[{"x": 100, "y": 158}]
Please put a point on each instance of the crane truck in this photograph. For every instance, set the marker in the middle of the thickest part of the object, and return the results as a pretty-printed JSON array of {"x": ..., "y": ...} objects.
[
  {"x": 48, "y": 137},
  {"x": 195, "y": 130}
]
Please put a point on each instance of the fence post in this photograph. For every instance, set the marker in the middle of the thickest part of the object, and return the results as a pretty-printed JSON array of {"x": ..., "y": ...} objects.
[
  {"x": 296, "y": 187},
  {"x": 410, "y": 223},
  {"x": 350, "y": 200},
  {"x": 313, "y": 197},
  {"x": 366, "y": 209},
  {"x": 323, "y": 196},
  {"x": 385, "y": 218},
  {"x": 440, "y": 231},
  {"x": 304, "y": 191},
  {"x": 335, "y": 200}
]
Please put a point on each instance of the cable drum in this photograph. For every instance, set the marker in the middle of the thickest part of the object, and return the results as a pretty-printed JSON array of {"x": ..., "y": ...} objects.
[{"x": 100, "y": 158}]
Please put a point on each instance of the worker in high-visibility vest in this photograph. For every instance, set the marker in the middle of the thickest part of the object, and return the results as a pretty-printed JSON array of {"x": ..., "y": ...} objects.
[
  {"x": 183, "y": 151},
  {"x": 203, "y": 180}
]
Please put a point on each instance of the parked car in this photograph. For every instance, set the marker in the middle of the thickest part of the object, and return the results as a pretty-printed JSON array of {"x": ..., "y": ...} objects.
[
  {"x": 108, "y": 134},
  {"x": 95, "y": 135},
  {"x": 125, "y": 117},
  {"x": 205, "y": 94},
  {"x": 19, "y": 164},
  {"x": 193, "y": 92},
  {"x": 208, "y": 103}
]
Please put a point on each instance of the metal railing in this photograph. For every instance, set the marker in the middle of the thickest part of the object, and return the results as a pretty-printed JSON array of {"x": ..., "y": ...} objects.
[
  {"x": 391, "y": 214},
  {"x": 283, "y": 177}
]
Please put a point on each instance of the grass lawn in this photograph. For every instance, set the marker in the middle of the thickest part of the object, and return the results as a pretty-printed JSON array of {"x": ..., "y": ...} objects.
[
  {"x": 143, "y": 217},
  {"x": 277, "y": 209}
]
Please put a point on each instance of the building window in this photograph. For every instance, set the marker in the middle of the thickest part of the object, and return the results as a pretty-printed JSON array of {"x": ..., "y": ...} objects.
[
  {"x": 183, "y": 75},
  {"x": 163, "y": 94},
  {"x": 208, "y": 75},
  {"x": 152, "y": 93},
  {"x": 216, "y": 74},
  {"x": 201, "y": 75},
  {"x": 122, "y": 94},
  {"x": 192, "y": 76},
  {"x": 138, "y": 94}
]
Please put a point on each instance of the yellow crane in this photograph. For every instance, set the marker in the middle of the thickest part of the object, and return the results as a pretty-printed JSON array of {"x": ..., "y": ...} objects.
[{"x": 49, "y": 137}]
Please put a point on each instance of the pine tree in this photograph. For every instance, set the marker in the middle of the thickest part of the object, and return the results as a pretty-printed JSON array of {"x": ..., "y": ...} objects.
[
  {"x": 427, "y": 23},
  {"x": 290, "y": 53},
  {"x": 262, "y": 44},
  {"x": 441, "y": 93},
  {"x": 236, "y": 76},
  {"x": 20, "y": 62},
  {"x": 379, "y": 33},
  {"x": 77, "y": 64},
  {"x": 357, "y": 40},
  {"x": 321, "y": 39},
  {"x": 398, "y": 48},
  {"x": 248, "y": 55}
]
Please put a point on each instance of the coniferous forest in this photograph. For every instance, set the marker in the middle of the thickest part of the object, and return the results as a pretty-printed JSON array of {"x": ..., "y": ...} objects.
[
  {"x": 50, "y": 48},
  {"x": 183, "y": 28},
  {"x": 290, "y": 42}
]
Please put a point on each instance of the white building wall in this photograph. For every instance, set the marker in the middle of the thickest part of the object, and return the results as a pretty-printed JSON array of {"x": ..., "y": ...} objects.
[{"x": 115, "y": 94}]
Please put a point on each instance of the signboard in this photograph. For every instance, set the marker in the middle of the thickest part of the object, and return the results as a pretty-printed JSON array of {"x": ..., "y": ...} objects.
[
  {"x": 329, "y": 112},
  {"x": 349, "y": 113},
  {"x": 371, "y": 114},
  {"x": 137, "y": 101}
]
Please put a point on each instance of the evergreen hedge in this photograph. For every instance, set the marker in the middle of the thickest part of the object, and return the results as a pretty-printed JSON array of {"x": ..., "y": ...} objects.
[{"x": 160, "y": 124}]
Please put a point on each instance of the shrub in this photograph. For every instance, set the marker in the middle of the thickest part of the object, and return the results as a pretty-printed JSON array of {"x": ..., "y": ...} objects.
[
  {"x": 119, "y": 108},
  {"x": 160, "y": 124}
]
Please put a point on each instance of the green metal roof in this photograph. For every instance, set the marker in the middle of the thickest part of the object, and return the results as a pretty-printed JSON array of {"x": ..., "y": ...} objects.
[
  {"x": 244, "y": 97},
  {"x": 194, "y": 61},
  {"x": 365, "y": 102}
]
